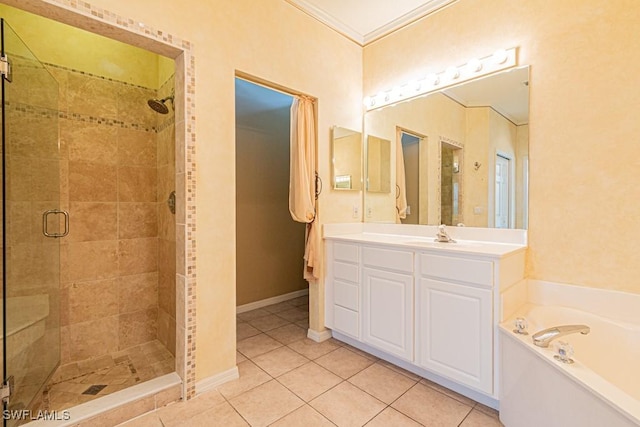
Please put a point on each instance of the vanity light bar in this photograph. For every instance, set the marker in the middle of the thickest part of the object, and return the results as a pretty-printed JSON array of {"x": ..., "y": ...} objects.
[{"x": 499, "y": 61}]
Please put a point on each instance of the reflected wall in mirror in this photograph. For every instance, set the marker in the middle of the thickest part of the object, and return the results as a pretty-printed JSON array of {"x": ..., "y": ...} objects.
[
  {"x": 468, "y": 159},
  {"x": 378, "y": 165},
  {"x": 347, "y": 159}
]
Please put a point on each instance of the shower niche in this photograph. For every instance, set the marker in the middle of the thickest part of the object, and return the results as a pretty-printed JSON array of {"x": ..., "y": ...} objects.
[{"x": 93, "y": 312}]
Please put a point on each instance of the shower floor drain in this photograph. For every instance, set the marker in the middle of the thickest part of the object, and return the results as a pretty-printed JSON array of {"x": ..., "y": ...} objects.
[{"x": 94, "y": 389}]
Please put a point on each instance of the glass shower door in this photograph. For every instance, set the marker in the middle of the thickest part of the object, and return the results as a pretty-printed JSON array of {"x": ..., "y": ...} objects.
[{"x": 32, "y": 224}]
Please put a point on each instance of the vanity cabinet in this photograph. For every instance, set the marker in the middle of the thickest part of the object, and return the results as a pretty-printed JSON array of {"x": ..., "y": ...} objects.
[
  {"x": 453, "y": 332},
  {"x": 387, "y": 300},
  {"x": 432, "y": 310},
  {"x": 454, "y": 318},
  {"x": 345, "y": 271}
]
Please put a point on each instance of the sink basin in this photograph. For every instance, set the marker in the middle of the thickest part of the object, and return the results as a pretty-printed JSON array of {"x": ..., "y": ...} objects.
[{"x": 434, "y": 244}]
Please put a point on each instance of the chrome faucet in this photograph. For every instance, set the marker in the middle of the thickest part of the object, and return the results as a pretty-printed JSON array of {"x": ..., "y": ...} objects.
[
  {"x": 545, "y": 336},
  {"x": 443, "y": 236}
]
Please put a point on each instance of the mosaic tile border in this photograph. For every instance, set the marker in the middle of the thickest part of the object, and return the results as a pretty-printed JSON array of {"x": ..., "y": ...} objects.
[
  {"x": 96, "y": 76},
  {"x": 185, "y": 169},
  {"x": 39, "y": 65},
  {"x": 48, "y": 113}
]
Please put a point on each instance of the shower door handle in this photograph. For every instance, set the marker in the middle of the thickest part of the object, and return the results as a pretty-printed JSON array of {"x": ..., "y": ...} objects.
[{"x": 45, "y": 222}]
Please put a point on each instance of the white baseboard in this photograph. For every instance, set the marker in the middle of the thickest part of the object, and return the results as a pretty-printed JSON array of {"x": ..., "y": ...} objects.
[
  {"x": 269, "y": 301},
  {"x": 319, "y": 336},
  {"x": 217, "y": 380}
]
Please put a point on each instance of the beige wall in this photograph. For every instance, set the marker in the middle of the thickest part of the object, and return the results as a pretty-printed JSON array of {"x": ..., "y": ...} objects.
[
  {"x": 269, "y": 243},
  {"x": 276, "y": 42},
  {"x": 583, "y": 120},
  {"x": 476, "y": 208}
]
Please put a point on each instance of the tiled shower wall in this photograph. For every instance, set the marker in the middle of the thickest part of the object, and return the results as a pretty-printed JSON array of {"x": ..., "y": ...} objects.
[
  {"x": 166, "y": 224},
  {"x": 109, "y": 260},
  {"x": 446, "y": 198}
]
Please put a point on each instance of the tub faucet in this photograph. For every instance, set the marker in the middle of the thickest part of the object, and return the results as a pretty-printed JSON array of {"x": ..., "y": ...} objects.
[
  {"x": 443, "y": 236},
  {"x": 545, "y": 336}
]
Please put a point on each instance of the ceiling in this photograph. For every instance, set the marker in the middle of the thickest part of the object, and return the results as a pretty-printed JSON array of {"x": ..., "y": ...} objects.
[
  {"x": 506, "y": 92},
  {"x": 364, "y": 21}
]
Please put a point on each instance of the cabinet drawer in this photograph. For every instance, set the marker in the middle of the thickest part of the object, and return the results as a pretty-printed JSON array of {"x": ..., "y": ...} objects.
[
  {"x": 389, "y": 259},
  {"x": 345, "y": 294},
  {"x": 458, "y": 269},
  {"x": 346, "y": 321},
  {"x": 344, "y": 271},
  {"x": 345, "y": 252}
]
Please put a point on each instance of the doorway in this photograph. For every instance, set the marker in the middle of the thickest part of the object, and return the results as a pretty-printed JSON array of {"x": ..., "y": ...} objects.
[
  {"x": 411, "y": 154},
  {"x": 269, "y": 244}
]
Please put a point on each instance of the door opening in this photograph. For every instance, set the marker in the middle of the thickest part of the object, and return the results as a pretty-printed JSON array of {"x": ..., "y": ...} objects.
[
  {"x": 269, "y": 243},
  {"x": 411, "y": 153}
]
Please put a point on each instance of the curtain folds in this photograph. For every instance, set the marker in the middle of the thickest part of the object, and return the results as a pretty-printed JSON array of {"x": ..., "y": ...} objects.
[
  {"x": 401, "y": 184},
  {"x": 302, "y": 179}
]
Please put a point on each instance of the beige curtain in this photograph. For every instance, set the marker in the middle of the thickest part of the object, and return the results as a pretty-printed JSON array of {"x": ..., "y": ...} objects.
[
  {"x": 302, "y": 179},
  {"x": 401, "y": 184}
]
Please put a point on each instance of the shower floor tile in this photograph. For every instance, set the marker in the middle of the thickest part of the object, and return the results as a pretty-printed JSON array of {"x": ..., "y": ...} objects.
[{"x": 68, "y": 386}]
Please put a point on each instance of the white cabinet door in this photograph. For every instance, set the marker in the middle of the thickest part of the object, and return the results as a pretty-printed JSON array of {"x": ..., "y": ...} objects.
[
  {"x": 454, "y": 335},
  {"x": 387, "y": 312}
]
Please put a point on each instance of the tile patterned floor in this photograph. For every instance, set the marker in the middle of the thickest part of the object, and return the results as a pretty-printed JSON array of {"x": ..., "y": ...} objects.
[
  {"x": 289, "y": 380},
  {"x": 71, "y": 383}
]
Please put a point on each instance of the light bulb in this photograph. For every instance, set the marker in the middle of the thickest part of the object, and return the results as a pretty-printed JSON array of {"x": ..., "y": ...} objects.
[
  {"x": 453, "y": 73},
  {"x": 500, "y": 56},
  {"x": 433, "y": 79},
  {"x": 474, "y": 65}
]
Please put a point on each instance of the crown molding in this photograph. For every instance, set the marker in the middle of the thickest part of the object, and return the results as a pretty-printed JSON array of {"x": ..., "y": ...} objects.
[
  {"x": 406, "y": 19},
  {"x": 363, "y": 39},
  {"x": 327, "y": 19}
]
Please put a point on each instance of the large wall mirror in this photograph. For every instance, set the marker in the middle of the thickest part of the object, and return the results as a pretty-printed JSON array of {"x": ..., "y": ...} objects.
[
  {"x": 346, "y": 159},
  {"x": 459, "y": 155}
]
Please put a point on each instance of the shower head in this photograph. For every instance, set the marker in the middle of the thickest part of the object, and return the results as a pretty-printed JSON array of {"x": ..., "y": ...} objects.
[{"x": 159, "y": 106}]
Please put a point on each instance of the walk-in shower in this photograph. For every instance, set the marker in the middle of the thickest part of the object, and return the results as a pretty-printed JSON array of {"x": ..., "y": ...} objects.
[{"x": 92, "y": 312}]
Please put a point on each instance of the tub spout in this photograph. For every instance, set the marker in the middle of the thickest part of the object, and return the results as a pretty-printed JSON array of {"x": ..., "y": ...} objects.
[{"x": 545, "y": 336}]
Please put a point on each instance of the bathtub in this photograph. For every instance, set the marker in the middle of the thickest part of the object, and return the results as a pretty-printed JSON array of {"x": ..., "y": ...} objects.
[{"x": 602, "y": 387}]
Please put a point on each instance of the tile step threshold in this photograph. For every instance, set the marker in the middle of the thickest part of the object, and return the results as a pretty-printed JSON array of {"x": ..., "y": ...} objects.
[{"x": 95, "y": 407}]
